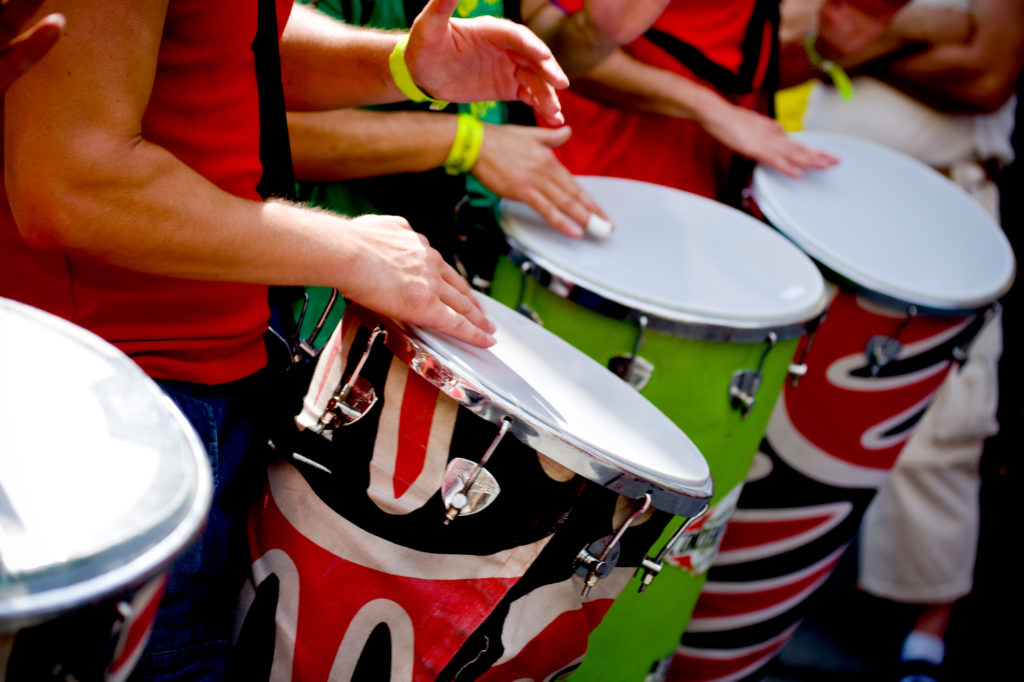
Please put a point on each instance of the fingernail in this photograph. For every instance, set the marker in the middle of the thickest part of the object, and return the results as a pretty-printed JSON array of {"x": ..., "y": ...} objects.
[{"x": 598, "y": 227}]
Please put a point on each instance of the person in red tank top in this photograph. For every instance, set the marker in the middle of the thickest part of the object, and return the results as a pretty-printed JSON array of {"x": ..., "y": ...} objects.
[
  {"x": 133, "y": 206},
  {"x": 687, "y": 103}
]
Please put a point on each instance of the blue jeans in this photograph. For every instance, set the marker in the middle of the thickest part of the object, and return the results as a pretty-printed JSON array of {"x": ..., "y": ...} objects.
[{"x": 192, "y": 634}]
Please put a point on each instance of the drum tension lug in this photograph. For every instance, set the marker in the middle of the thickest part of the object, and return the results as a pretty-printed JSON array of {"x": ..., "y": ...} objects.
[
  {"x": 355, "y": 398},
  {"x": 461, "y": 476},
  {"x": 882, "y": 350},
  {"x": 595, "y": 567},
  {"x": 633, "y": 369},
  {"x": 651, "y": 567},
  {"x": 745, "y": 383}
]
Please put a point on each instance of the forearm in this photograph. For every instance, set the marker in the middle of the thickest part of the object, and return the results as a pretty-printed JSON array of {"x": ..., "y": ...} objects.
[
  {"x": 327, "y": 64},
  {"x": 974, "y": 76},
  {"x": 352, "y": 143},
  {"x": 136, "y": 206},
  {"x": 628, "y": 84}
]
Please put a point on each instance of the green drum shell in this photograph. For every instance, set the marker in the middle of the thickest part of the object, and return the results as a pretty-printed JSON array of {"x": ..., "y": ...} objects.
[{"x": 690, "y": 385}]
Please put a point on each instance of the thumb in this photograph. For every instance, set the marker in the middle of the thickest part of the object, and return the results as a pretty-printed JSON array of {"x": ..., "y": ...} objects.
[
  {"x": 438, "y": 11},
  {"x": 554, "y": 137}
]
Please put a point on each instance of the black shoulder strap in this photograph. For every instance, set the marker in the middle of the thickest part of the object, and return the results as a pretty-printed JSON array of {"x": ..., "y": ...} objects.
[
  {"x": 278, "y": 179},
  {"x": 722, "y": 79}
]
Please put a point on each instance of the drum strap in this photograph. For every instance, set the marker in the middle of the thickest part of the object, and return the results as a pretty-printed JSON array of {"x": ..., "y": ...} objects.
[
  {"x": 724, "y": 80},
  {"x": 278, "y": 179}
]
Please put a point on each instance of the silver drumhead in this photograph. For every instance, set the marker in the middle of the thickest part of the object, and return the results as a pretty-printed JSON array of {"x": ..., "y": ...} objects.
[
  {"x": 102, "y": 480},
  {"x": 678, "y": 257},
  {"x": 891, "y": 225},
  {"x": 563, "y": 404}
]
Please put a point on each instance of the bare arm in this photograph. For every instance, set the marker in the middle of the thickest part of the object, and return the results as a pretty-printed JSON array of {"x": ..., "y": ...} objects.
[
  {"x": 582, "y": 39},
  {"x": 82, "y": 177},
  {"x": 328, "y": 65},
  {"x": 973, "y": 76},
  {"x": 629, "y": 84},
  {"x": 515, "y": 162},
  {"x": 20, "y": 50}
]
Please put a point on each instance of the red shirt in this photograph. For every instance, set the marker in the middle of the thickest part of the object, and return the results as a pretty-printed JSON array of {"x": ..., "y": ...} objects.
[
  {"x": 734, "y": 39},
  {"x": 204, "y": 110}
]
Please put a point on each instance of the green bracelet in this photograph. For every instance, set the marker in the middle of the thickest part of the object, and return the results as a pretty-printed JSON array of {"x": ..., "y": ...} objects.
[
  {"x": 403, "y": 79},
  {"x": 839, "y": 78},
  {"x": 466, "y": 147}
]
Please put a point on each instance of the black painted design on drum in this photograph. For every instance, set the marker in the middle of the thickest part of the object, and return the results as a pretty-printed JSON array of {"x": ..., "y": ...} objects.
[
  {"x": 925, "y": 360},
  {"x": 374, "y": 662},
  {"x": 78, "y": 646},
  {"x": 530, "y": 507},
  {"x": 589, "y": 520},
  {"x": 763, "y": 493},
  {"x": 252, "y": 656}
]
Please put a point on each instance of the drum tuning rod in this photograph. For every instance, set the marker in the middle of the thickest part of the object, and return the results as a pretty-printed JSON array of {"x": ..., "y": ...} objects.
[
  {"x": 460, "y": 498},
  {"x": 597, "y": 564},
  {"x": 652, "y": 567}
]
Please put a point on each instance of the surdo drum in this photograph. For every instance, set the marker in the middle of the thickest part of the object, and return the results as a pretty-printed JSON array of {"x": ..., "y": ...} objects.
[
  {"x": 448, "y": 512},
  {"x": 915, "y": 266},
  {"x": 700, "y": 308},
  {"x": 102, "y": 484}
]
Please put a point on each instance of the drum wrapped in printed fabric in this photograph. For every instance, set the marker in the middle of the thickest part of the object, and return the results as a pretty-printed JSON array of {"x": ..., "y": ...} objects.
[
  {"x": 700, "y": 307},
  {"x": 455, "y": 513},
  {"x": 915, "y": 266},
  {"x": 102, "y": 484}
]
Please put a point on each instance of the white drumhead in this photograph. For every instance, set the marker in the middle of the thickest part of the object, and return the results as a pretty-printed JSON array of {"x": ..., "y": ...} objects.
[
  {"x": 102, "y": 481},
  {"x": 890, "y": 224},
  {"x": 553, "y": 384},
  {"x": 678, "y": 256}
]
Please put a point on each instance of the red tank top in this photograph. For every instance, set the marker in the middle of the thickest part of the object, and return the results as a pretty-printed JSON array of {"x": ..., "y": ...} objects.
[
  {"x": 726, "y": 46},
  {"x": 204, "y": 108}
]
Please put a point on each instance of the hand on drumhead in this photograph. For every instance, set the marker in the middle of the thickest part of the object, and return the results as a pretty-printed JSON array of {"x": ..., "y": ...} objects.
[
  {"x": 20, "y": 51},
  {"x": 516, "y": 162},
  {"x": 764, "y": 140},
  {"x": 398, "y": 274},
  {"x": 484, "y": 58}
]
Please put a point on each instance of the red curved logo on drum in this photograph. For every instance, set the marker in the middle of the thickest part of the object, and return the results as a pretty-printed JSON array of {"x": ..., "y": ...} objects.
[
  {"x": 413, "y": 439},
  {"x": 723, "y": 665},
  {"x": 760, "y": 533},
  {"x": 552, "y": 615},
  {"x": 331, "y": 571},
  {"x": 732, "y": 605},
  {"x": 841, "y": 409}
]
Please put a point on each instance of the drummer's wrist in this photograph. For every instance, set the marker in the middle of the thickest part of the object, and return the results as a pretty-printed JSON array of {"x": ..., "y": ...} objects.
[{"x": 465, "y": 149}]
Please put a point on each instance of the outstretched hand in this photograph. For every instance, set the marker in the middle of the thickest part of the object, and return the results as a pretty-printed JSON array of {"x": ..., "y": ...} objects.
[
  {"x": 20, "y": 51},
  {"x": 763, "y": 139},
  {"x": 517, "y": 162},
  {"x": 484, "y": 58},
  {"x": 401, "y": 276}
]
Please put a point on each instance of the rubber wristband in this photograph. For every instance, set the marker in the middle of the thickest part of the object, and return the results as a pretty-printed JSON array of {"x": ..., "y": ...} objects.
[
  {"x": 839, "y": 78},
  {"x": 403, "y": 79},
  {"x": 466, "y": 148}
]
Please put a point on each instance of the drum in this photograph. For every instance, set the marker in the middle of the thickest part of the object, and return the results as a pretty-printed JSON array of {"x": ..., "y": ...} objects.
[
  {"x": 915, "y": 263},
  {"x": 102, "y": 484},
  {"x": 448, "y": 512},
  {"x": 699, "y": 307}
]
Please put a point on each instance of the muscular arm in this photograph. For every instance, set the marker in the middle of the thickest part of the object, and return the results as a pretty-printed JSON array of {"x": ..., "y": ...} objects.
[
  {"x": 582, "y": 39},
  {"x": 328, "y": 65},
  {"x": 515, "y": 162},
  {"x": 626, "y": 83},
  {"x": 82, "y": 177},
  {"x": 973, "y": 76}
]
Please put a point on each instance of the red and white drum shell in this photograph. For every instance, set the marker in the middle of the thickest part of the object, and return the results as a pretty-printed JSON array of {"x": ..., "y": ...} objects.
[
  {"x": 102, "y": 484},
  {"x": 354, "y": 567},
  {"x": 913, "y": 259}
]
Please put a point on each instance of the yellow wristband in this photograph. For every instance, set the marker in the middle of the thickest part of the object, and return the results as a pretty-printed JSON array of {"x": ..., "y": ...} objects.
[
  {"x": 839, "y": 78},
  {"x": 403, "y": 79},
  {"x": 466, "y": 147}
]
